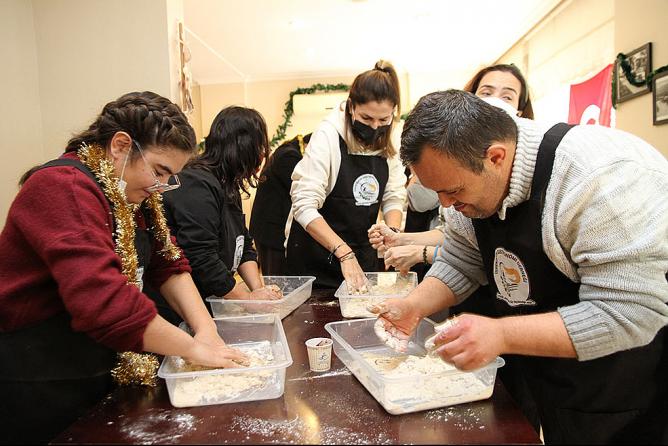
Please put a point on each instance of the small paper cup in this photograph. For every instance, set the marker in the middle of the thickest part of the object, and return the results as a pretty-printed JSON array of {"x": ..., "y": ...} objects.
[{"x": 319, "y": 354}]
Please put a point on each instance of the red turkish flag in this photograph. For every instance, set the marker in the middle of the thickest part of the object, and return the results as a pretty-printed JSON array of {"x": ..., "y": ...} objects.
[{"x": 591, "y": 100}]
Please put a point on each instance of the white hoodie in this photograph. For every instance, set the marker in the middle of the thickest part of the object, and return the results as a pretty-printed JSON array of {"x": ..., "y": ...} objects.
[{"x": 315, "y": 175}]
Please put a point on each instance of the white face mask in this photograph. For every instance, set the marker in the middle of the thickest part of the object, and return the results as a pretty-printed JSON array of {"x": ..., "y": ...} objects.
[
  {"x": 122, "y": 184},
  {"x": 503, "y": 105}
]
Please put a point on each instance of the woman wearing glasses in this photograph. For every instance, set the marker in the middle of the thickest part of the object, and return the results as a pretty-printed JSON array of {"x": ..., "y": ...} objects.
[
  {"x": 205, "y": 213},
  {"x": 76, "y": 252},
  {"x": 349, "y": 172}
]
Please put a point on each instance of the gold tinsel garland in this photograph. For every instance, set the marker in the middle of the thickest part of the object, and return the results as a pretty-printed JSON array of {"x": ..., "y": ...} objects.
[{"x": 132, "y": 368}]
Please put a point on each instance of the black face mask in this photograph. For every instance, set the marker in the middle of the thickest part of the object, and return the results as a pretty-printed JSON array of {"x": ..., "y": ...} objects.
[{"x": 367, "y": 134}]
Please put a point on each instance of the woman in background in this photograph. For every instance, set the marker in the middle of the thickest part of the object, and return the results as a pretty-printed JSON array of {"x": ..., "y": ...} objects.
[
  {"x": 205, "y": 213},
  {"x": 350, "y": 171},
  {"x": 272, "y": 204}
]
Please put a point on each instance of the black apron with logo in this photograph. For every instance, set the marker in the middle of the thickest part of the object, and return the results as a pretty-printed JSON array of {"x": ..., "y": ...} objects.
[
  {"x": 50, "y": 375},
  {"x": 350, "y": 210},
  {"x": 619, "y": 398}
]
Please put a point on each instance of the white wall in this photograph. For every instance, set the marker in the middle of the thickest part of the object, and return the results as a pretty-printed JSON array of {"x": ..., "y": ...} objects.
[
  {"x": 66, "y": 59},
  {"x": 93, "y": 51},
  {"x": 20, "y": 112}
]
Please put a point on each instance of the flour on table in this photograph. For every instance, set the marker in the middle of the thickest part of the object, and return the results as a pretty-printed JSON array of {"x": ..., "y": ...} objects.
[{"x": 218, "y": 388}]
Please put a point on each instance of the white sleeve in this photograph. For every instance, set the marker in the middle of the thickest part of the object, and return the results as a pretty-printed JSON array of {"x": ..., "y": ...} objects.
[
  {"x": 315, "y": 175},
  {"x": 394, "y": 196}
]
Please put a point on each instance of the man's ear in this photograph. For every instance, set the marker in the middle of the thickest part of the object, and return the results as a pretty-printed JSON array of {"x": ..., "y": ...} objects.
[
  {"x": 497, "y": 154},
  {"x": 120, "y": 145}
]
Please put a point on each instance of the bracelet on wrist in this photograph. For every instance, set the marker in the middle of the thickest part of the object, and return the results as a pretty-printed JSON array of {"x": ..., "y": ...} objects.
[
  {"x": 393, "y": 229},
  {"x": 433, "y": 260},
  {"x": 332, "y": 253},
  {"x": 347, "y": 256},
  {"x": 424, "y": 255}
]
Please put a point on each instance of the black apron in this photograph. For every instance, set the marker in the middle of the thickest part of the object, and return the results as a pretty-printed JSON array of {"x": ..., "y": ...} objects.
[
  {"x": 620, "y": 398},
  {"x": 50, "y": 375},
  {"x": 350, "y": 210}
]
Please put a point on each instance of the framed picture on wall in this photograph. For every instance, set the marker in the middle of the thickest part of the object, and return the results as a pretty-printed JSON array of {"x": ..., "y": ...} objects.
[
  {"x": 640, "y": 60},
  {"x": 660, "y": 98}
]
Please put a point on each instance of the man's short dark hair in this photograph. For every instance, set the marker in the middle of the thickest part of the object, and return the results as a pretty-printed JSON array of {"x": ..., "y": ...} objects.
[{"x": 457, "y": 124}]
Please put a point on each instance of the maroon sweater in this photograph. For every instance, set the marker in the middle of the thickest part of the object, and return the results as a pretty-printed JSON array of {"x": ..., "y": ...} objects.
[{"x": 58, "y": 255}]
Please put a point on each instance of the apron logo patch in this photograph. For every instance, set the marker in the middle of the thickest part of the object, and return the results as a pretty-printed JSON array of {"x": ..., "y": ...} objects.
[
  {"x": 512, "y": 281},
  {"x": 366, "y": 189},
  {"x": 238, "y": 252}
]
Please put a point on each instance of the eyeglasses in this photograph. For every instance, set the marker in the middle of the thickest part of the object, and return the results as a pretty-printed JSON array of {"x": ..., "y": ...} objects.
[{"x": 171, "y": 184}]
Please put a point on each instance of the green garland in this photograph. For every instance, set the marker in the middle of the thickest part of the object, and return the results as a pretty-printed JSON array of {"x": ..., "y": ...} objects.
[
  {"x": 628, "y": 74},
  {"x": 288, "y": 111}
]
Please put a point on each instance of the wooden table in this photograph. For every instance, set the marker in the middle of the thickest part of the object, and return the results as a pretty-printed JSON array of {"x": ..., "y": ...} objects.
[{"x": 325, "y": 408}]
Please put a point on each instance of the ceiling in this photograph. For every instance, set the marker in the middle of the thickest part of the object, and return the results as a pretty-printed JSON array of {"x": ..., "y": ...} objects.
[{"x": 236, "y": 40}]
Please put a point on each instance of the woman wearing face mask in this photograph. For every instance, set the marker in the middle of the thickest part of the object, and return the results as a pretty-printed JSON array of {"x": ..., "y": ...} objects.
[
  {"x": 77, "y": 250},
  {"x": 505, "y": 87},
  {"x": 349, "y": 172},
  {"x": 205, "y": 213},
  {"x": 506, "y": 82}
]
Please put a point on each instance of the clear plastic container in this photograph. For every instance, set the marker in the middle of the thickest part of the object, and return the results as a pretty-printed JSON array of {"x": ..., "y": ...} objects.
[
  {"x": 296, "y": 290},
  {"x": 261, "y": 334},
  {"x": 381, "y": 286},
  {"x": 355, "y": 342}
]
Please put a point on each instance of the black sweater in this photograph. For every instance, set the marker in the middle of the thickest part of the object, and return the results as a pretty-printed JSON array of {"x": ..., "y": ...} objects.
[
  {"x": 197, "y": 214},
  {"x": 272, "y": 200}
]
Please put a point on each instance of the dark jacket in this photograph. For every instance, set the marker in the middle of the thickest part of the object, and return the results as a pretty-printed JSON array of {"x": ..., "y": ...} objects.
[
  {"x": 198, "y": 215},
  {"x": 272, "y": 203}
]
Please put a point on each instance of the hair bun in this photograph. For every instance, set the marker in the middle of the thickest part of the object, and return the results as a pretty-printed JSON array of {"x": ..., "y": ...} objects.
[{"x": 383, "y": 65}]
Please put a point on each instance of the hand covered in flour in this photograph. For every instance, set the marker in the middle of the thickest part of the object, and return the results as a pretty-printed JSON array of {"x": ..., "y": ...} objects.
[
  {"x": 390, "y": 336},
  {"x": 382, "y": 237},
  {"x": 216, "y": 355},
  {"x": 269, "y": 292},
  {"x": 354, "y": 276},
  {"x": 396, "y": 322},
  {"x": 402, "y": 258},
  {"x": 470, "y": 342}
]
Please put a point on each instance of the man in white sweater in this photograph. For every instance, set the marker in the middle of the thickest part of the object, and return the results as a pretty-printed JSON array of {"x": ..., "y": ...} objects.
[{"x": 569, "y": 227}]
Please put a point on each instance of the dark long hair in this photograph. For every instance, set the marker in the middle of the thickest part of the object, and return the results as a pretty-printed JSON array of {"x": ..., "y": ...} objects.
[
  {"x": 525, "y": 101},
  {"x": 379, "y": 84},
  {"x": 147, "y": 117},
  {"x": 234, "y": 150}
]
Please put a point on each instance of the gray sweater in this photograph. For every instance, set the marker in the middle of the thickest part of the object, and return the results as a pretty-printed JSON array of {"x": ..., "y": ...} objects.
[{"x": 605, "y": 226}]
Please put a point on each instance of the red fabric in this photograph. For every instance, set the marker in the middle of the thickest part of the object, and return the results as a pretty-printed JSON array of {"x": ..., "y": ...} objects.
[
  {"x": 58, "y": 255},
  {"x": 591, "y": 100}
]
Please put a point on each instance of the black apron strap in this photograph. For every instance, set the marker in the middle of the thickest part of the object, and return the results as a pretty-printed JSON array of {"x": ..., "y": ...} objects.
[
  {"x": 544, "y": 163},
  {"x": 72, "y": 163}
]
